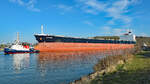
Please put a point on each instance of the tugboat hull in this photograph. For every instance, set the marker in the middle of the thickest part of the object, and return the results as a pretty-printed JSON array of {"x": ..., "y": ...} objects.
[{"x": 13, "y": 51}]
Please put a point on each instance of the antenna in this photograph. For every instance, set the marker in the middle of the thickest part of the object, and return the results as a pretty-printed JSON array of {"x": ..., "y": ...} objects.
[
  {"x": 42, "y": 29},
  {"x": 17, "y": 37}
]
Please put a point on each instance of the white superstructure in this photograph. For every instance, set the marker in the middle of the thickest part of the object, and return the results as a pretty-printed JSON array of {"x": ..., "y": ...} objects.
[
  {"x": 128, "y": 37},
  {"x": 18, "y": 46}
]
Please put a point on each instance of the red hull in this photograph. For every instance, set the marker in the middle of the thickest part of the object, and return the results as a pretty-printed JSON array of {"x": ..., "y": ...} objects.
[{"x": 62, "y": 47}]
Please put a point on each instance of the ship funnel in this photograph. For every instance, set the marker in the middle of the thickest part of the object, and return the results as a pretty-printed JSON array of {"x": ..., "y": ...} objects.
[
  {"x": 42, "y": 29},
  {"x": 129, "y": 31}
]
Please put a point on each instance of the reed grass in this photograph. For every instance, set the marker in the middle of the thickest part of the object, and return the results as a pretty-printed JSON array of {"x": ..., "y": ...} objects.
[
  {"x": 110, "y": 59},
  {"x": 136, "y": 71}
]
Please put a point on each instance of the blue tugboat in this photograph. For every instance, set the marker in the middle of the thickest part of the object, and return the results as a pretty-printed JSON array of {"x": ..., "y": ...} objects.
[{"x": 17, "y": 47}]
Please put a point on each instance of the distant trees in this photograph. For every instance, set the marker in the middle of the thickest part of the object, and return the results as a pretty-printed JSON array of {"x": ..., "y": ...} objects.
[{"x": 2, "y": 46}]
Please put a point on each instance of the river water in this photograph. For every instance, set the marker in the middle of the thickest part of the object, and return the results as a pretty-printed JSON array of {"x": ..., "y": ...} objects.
[{"x": 47, "y": 68}]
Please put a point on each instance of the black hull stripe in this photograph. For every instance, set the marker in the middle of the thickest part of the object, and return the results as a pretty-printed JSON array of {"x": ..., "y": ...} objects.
[{"x": 78, "y": 40}]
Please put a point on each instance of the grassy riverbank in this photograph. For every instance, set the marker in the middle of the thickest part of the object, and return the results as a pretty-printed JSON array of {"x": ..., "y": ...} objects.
[{"x": 136, "y": 71}]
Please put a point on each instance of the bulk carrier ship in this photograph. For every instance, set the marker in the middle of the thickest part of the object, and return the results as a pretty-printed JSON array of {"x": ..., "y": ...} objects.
[{"x": 55, "y": 43}]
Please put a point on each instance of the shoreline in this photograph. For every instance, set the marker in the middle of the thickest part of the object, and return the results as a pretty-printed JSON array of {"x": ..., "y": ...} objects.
[
  {"x": 104, "y": 66},
  {"x": 125, "y": 71}
]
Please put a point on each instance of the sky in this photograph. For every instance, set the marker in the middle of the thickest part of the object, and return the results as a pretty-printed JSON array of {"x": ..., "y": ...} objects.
[{"x": 76, "y": 18}]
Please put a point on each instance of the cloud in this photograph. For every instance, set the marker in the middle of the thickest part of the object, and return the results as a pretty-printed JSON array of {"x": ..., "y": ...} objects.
[
  {"x": 90, "y": 11},
  {"x": 107, "y": 30},
  {"x": 116, "y": 10},
  {"x": 20, "y": 2},
  {"x": 30, "y": 4},
  {"x": 88, "y": 23},
  {"x": 91, "y": 6},
  {"x": 64, "y": 8},
  {"x": 94, "y": 4}
]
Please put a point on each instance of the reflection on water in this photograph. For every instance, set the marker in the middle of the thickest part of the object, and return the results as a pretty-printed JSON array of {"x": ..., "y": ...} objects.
[
  {"x": 64, "y": 61},
  {"x": 21, "y": 61},
  {"x": 48, "y": 68},
  {"x": 63, "y": 68}
]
